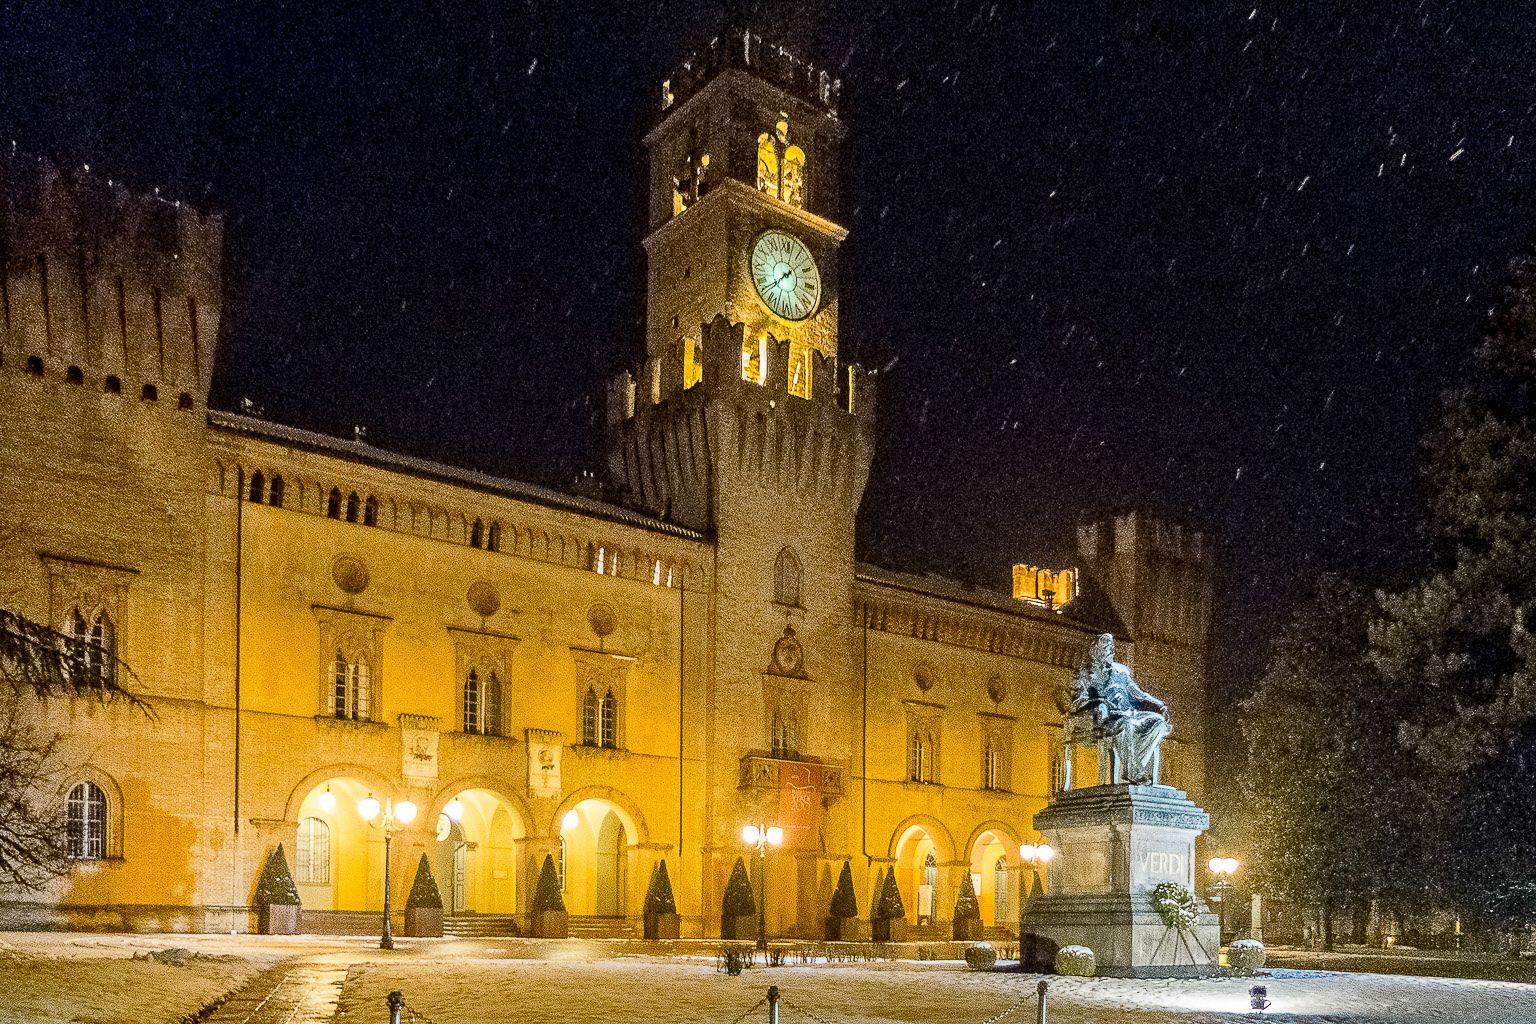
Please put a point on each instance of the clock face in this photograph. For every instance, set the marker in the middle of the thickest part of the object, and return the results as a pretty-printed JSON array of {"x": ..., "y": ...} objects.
[{"x": 785, "y": 274}]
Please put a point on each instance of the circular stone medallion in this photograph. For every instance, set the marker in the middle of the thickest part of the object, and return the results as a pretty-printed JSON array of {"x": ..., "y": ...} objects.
[
  {"x": 483, "y": 599},
  {"x": 349, "y": 574}
]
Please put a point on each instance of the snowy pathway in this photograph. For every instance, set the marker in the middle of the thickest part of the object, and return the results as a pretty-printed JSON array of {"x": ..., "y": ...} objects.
[{"x": 296, "y": 994}]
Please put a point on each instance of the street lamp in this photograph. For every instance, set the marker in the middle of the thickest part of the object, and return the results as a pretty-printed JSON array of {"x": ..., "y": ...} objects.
[
  {"x": 404, "y": 812},
  {"x": 1037, "y": 857},
  {"x": 762, "y": 837},
  {"x": 1223, "y": 868}
]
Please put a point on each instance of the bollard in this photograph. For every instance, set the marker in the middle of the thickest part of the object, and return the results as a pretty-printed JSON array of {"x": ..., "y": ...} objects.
[
  {"x": 773, "y": 1004},
  {"x": 1040, "y": 1009},
  {"x": 396, "y": 1004}
]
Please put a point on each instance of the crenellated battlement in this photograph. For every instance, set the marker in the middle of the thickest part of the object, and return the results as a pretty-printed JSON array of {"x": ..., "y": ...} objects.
[
  {"x": 105, "y": 287},
  {"x": 1134, "y": 532},
  {"x": 787, "y": 417},
  {"x": 740, "y": 48}
]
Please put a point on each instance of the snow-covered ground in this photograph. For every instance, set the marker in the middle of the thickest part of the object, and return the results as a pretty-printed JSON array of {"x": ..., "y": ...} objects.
[{"x": 93, "y": 980}]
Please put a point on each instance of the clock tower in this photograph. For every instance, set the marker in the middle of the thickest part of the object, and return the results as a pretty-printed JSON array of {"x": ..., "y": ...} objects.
[{"x": 743, "y": 424}]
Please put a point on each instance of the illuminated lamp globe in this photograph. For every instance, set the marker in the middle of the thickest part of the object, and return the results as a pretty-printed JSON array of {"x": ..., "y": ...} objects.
[
  {"x": 368, "y": 807},
  {"x": 570, "y": 821},
  {"x": 327, "y": 800},
  {"x": 1046, "y": 853},
  {"x": 750, "y": 835},
  {"x": 1028, "y": 852},
  {"x": 455, "y": 809},
  {"x": 405, "y": 811},
  {"x": 775, "y": 835}
]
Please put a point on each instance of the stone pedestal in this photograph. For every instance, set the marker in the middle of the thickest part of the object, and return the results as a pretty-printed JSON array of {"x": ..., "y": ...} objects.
[{"x": 1114, "y": 844}]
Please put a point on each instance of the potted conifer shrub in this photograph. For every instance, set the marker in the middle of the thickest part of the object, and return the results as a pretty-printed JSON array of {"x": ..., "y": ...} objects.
[
  {"x": 424, "y": 906},
  {"x": 888, "y": 915},
  {"x": 967, "y": 925},
  {"x": 661, "y": 920},
  {"x": 738, "y": 910},
  {"x": 547, "y": 918},
  {"x": 844, "y": 925},
  {"x": 277, "y": 897}
]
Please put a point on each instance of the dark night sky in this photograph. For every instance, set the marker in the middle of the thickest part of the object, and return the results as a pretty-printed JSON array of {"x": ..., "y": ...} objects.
[{"x": 1214, "y": 260}]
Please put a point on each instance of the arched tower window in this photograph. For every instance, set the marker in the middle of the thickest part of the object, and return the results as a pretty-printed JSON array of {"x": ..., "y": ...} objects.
[
  {"x": 371, "y": 511},
  {"x": 275, "y": 492},
  {"x": 472, "y": 702},
  {"x": 352, "y": 507},
  {"x": 258, "y": 487},
  {"x": 754, "y": 360},
  {"x": 333, "y": 504},
  {"x": 493, "y": 538},
  {"x": 86, "y": 810},
  {"x": 799, "y": 370},
  {"x": 312, "y": 853},
  {"x": 477, "y": 534},
  {"x": 786, "y": 578},
  {"x": 780, "y": 166},
  {"x": 693, "y": 367}
]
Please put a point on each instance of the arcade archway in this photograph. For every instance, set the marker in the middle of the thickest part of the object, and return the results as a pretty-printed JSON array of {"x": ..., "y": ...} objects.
[
  {"x": 337, "y": 858},
  {"x": 474, "y": 853},
  {"x": 595, "y": 840},
  {"x": 917, "y": 874},
  {"x": 992, "y": 852}
]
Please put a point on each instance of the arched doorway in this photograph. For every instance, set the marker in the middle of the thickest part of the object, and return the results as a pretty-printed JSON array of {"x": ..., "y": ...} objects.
[
  {"x": 474, "y": 855},
  {"x": 917, "y": 874},
  {"x": 990, "y": 876},
  {"x": 595, "y": 841}
]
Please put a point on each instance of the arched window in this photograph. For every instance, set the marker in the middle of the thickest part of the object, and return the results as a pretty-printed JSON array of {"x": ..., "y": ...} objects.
[
  {"x": 792, "y": 186},
  {"x": 786, "y": 578},
  {"x": 589, "y": 717},
  {"x": 991, "y": 766},
  {"x": 312, "y": 853},
  {"x": 931, "y": 870},
  {"x": 258, "y": 487},
  {"x": 275, "y": 492},
  {"x": 87, "y": 822},
  {"x": 95, "y": 645},
  {"x": 350, "y": 681},
  {"x": 608, "y": 721},
  {"x": 754, "y": 360},
  {"x": 477, "y": 534},
  {"x": 493, "y": 538},
  {"x": 371, "y": 511},
  {"x": 786, "y": 739},
  {"x": 333, "y": 504},
  {"x": 472, "y": 702},
  {"x": 1000, "y": 890},
  {"x": 693, "y": 367},
  {"x": 920, "y": 757},
  {"x": 767, "y": 165},
  {"x": 352, "y": 507},
  {"x": 491, "y": 710}
]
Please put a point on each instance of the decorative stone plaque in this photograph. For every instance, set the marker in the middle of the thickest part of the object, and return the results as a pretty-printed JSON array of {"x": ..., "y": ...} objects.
[
  {"x": 418, "y": 741},
  {"x": 543, "y": 762}
]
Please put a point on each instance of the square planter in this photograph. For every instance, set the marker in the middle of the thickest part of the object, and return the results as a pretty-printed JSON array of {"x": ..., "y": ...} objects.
[
  {"x": 968, "y": 930},
  {"x": 549, "y": 924},
  {"x": 424, "y": 922},
  {"x": 278, "y": 919},
  {"x": 894, "y": 930},
  {"x": 743, "y": 927},
  {"x": 847, "y": 929},
  {"x": 663, "y": 926}
]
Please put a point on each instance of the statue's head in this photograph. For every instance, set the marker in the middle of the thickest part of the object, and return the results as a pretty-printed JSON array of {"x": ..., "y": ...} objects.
[{"x": 1102, "y": 652}]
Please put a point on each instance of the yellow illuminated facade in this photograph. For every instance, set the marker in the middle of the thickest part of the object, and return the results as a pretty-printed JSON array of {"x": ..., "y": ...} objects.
[{"x": 611, "y": 684}]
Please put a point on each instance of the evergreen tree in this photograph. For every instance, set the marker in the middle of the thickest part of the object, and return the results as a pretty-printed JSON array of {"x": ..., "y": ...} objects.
[
  {"x": 1459, "y": 644},
  {"x": 889, "y": 906},
  {"x": 1334, "y": 819},
  {"x": 738, "y": 901},
  {"x": 547, "y": 896},
  {"x": 275, "y": 887},
  {"x": 966, "y": 906},
  {"x": 658, "y": 895},
  {"x": 424, "y": 892},
  {"x": 844, "y": 903}
]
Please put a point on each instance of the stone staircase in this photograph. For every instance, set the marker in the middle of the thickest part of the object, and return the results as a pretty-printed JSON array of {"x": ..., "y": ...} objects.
[
  {"x": 479, "y": 926},
  {"x": 602, "y": 928}
]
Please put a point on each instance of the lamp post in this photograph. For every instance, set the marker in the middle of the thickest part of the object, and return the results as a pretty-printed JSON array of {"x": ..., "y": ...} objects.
[
  {"x": 1223, "y": 868},
  {"x": 1037, "y": 857},
  {"x": 762, "y": 837},
  {"x": 404, "y": 812}
]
